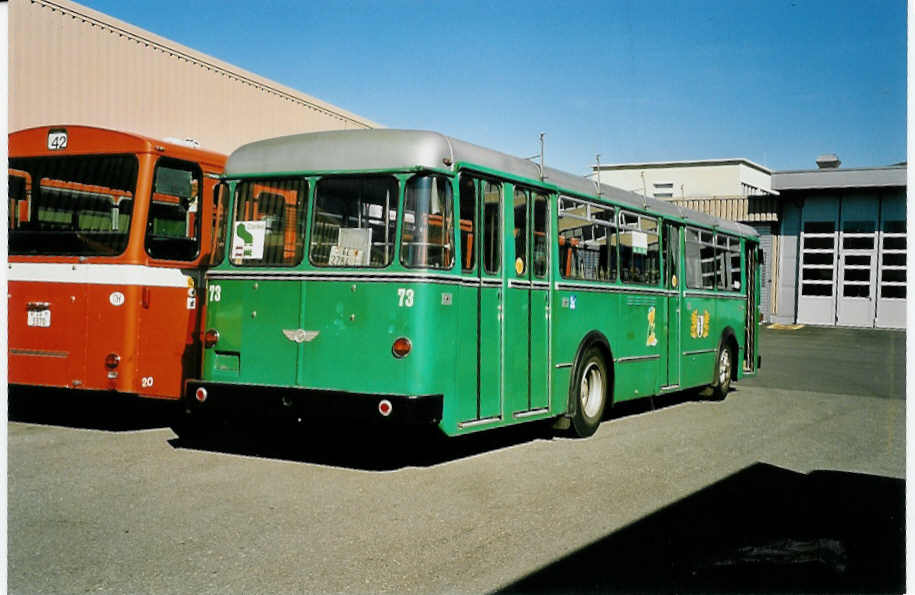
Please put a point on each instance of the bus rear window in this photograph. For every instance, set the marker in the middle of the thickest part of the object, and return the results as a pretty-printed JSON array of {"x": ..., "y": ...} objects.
[
  {"x": 79, "y": 206},
  {"x": 269, "y": 225},
  {"x": 354, "y": 221}
]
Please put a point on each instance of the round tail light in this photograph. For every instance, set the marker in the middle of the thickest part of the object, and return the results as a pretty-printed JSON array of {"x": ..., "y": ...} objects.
[
  {"x": 112, "y": 360},
  {"x": 210, "y": 338},
  {"x": 200, "y": 394},
  {"x": 385, "y": 407},
  {"x": 401, "y": 347}
]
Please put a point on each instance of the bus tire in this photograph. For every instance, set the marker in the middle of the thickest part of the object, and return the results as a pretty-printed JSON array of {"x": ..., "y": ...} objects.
[
  {"x": 589, "y": 392},
  {"x": 723, "y": 368}
]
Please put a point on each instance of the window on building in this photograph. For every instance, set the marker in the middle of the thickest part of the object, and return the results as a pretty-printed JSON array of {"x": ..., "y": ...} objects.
[{"x": 663, "y": 189}]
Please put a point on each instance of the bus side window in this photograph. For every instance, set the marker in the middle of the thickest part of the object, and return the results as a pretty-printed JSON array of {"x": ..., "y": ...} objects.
[
  {"x": 220, "y": 204},
  {"x": 173, "y": 228},
  {"x": 587, "y": 240},
  {"x": 541, "y": 251},
  {"x": 468, "y": 218},
  {"x": 640, "y": 254},
  {"x": 520, "y": 231},
  {"x": 427, "y": 235},
  {"x": 492, "y": 227},
  {"x": 20, "y": 197}
]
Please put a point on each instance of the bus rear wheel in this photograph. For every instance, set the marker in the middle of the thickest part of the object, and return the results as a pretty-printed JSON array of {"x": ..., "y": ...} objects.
[
  {"x": 589, "y": 392},
  {"x": 722, "y": 382}
]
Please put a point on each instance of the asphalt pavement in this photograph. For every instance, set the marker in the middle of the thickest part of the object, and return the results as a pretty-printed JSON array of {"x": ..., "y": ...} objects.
[{"x": 795, "y": 482}]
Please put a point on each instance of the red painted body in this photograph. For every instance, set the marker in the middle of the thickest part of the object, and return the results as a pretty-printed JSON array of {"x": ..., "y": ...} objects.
[{"x": 146, "y": 310}]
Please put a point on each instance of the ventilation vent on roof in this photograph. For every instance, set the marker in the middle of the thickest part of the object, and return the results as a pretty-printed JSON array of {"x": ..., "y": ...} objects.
[{"x": 828, "y": 161}]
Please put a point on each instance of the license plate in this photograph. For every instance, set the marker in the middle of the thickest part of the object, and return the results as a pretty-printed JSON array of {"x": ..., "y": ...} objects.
[{"x": 40, "y": 318}]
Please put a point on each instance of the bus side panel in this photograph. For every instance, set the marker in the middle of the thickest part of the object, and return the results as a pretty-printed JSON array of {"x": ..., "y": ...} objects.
[
  {"x": 113, "y": 311},
  {"x": 626, "y": 323},
  {"x": 517, "y": 340},
  {"x": 166, "y": 341},
  {"x": 639, "y": 349},
  {"x": 357, "y": 324},
  {"x": 53, "y": 355},
  {"x": 224, "y": 300},
  {"x": 268, "y": 355},
  {"x": 464, "y": 404},
  {"x": 700, "y": 336}
]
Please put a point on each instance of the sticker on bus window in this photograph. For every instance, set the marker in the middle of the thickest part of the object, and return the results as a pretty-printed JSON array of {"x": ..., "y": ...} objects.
[
  {"x": 248, "y": 240},
  {"x": 639, "y": 242}
]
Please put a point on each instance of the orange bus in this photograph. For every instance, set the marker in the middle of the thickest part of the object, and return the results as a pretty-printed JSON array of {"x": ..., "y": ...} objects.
[{"x": 108, "y": 235}]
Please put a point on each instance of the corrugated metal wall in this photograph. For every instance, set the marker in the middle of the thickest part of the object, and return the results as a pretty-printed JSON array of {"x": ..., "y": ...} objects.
[
  {"x": 735, "y": 208},
  {"x": 69, "y": 64}
]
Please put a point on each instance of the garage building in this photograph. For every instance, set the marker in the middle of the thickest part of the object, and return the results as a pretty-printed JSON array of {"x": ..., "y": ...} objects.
[{"x": 69, "y": 64}]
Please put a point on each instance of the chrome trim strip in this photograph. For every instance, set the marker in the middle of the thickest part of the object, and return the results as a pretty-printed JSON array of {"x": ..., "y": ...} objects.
[
  {"x": 669, "y": 387},
  {"x": 40, "y": 353},
  {"x": 699, "y": 351},
  {"x": 564, "y": 365},
  {"x": 479, "y": 422},
  {"x": 709, "y": 294},
  {"x": 512, "y": 283},
  {"x": 614, "y": 289},
  {"x": 635, "y": 358},
  {"x": 531, "y": 413}
]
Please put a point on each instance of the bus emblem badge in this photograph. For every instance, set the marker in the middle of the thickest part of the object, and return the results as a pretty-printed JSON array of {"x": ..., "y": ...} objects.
[{"x": 300, "y": 335}]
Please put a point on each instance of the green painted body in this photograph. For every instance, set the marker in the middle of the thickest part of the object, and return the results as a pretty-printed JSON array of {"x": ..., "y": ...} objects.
[{"x": 500, "y": 352}]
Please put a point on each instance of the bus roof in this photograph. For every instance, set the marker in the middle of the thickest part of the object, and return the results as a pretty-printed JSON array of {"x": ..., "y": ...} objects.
[
  {"x": 90, "y": 140},
  {"x": 385, "y": 148}
]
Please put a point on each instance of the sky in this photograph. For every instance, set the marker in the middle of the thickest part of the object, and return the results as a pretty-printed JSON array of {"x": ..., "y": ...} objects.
[{"x": 778, "y": 82}]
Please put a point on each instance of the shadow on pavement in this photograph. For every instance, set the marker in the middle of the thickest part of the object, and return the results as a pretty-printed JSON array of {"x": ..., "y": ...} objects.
[
  {"x": 94, "y": 410},
  {"x": 339, "y": 443},
  {"x": 375, "y": 447},
  {"x": 763, "y": 529}
]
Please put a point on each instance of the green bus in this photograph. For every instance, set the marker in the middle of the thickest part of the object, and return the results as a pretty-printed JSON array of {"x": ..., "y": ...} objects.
[{"x": 415, "y": 278}]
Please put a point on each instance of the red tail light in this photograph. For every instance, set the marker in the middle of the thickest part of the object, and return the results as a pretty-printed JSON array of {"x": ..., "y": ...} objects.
[
  {"x": 210, "y": 338},
  {"x": 402, "y": 347}
]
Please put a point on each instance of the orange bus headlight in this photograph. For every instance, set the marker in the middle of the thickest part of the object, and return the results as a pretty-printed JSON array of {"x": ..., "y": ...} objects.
[
  {"x": 112, "y": 360},
  {"x": 210, "y": 338},
  {"x": 401, "y": 347}
]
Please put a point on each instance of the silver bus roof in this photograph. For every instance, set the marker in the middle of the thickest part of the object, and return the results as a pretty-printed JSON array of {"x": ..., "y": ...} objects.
[{"x": 385, "y": 148}]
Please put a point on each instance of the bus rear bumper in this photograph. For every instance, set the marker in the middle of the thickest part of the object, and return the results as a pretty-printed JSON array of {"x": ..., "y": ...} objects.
[{"x": 309, "y": 404}]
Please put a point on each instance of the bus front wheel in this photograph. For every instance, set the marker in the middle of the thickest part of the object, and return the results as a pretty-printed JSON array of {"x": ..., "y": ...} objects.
[
  {"x": 589, "y": 392},
  {"x": 722, "y": 382}
]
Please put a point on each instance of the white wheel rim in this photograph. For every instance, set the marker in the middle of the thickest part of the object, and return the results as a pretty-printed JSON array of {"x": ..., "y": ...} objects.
[
  {"x": 724, "y": 367},
  {"x": 591, "y": 391}
]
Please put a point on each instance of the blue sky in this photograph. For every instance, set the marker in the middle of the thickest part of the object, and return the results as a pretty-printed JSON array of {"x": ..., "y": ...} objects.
[{"x": 776, "y": 81}]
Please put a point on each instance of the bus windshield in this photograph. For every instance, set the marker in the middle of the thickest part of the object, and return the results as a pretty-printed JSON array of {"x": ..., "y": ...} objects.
[{"x": 71, "y": 205}]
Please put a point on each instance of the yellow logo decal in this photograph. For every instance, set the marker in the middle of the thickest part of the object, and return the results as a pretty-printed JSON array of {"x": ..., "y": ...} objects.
[
  {"x": 652, "y": 339},
  {"x": 700, "y": 324}
]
